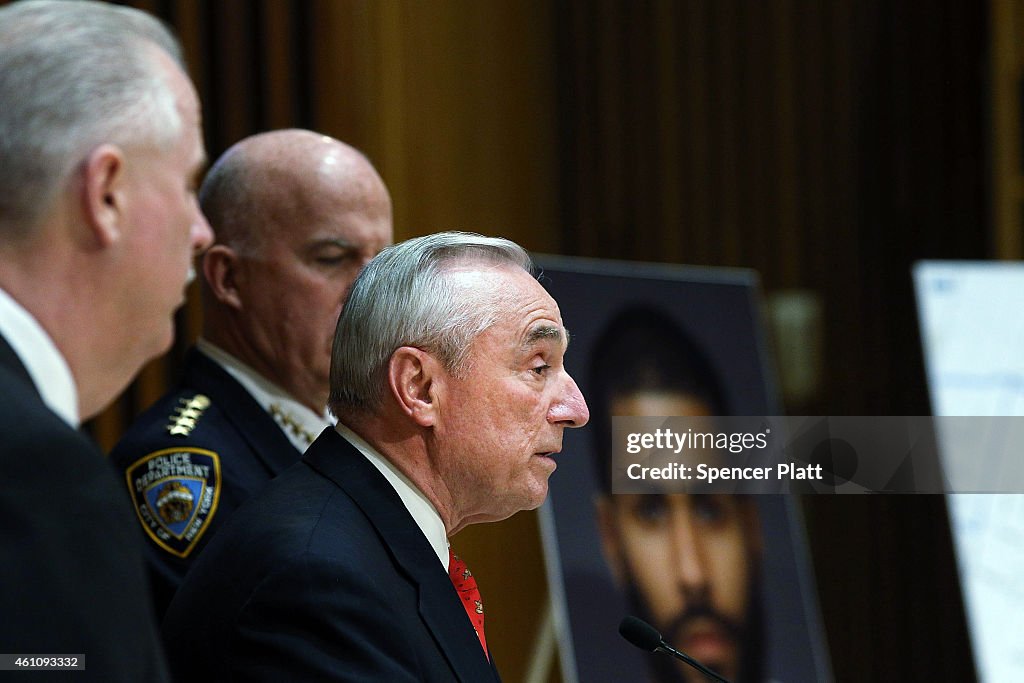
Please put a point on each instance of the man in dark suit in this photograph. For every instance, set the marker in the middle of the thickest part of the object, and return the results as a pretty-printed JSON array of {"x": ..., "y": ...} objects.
[
  {"x": 297, "y": 215},
  {"x": 99, "y": 146},
  {"x": 448, "y": 382}
]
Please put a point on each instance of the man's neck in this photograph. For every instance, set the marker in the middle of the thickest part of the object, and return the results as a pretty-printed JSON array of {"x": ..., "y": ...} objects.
[
  {"x": 235, "y": 344},
  {"x": 405, "y": 447},
  {"x": 42, "y": 359},
  {"x": 422, "y": 510}
]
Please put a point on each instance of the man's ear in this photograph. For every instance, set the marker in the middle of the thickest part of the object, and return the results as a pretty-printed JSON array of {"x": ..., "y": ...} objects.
[
  {"x": 220, "y": 268},
  {"x": 609, "y": 534},
  {"x": 411, "y": 376},
  {"x": 104, "y": 199}
]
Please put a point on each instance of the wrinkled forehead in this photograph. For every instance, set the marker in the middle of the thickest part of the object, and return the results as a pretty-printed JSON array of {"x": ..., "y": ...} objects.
[
  {"x": 506, "y": 283},
  {"x": 474, "y": 278},
  {"x": 523, "y": 309}
]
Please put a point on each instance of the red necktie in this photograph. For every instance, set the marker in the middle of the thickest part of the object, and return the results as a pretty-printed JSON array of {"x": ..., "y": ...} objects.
[{"x": 465, "y": 586}]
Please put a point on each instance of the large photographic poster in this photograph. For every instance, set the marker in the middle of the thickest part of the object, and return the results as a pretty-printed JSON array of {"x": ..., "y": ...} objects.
[{"x": 725, "y": 578}]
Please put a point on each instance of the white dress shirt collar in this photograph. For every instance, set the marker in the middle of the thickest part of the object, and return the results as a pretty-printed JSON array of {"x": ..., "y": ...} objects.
[
  {"x": 300, "y": 424},
  {"x": 421, "y": 509},
  {"x": 40, "y": 356}
]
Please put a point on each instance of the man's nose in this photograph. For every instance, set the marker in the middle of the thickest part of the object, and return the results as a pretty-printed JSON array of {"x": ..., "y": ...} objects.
[
  {"x": 202, "y": 233},
  {"x": 570, "y": 410},
  {"x": 688, "y": 551}
]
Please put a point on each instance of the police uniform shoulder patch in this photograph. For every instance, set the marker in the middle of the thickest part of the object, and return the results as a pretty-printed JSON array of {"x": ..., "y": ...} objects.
[{"x": 175, "y": 492}]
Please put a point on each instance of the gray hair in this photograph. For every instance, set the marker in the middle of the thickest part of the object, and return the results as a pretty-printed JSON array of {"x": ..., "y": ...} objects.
[
  {"x": 75, "y": 74},
  {"x": 404, "y": 297}
]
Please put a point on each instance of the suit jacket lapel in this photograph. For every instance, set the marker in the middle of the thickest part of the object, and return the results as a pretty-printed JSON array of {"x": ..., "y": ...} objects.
[
  {"x": 257, "y": 427},
  {"x": 440, "y": 608},
  {"x": 10, "y": 360}
]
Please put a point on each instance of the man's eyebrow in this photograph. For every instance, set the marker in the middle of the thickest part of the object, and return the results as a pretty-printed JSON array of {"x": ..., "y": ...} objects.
[
  {"x": 544, "y": 332},
  {"x": 339, "y": 242}
]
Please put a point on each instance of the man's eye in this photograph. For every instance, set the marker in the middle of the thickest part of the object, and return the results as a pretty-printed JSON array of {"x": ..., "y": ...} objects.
[
  {"x": 650, "y": 510},
  {"x": 332, "y": 259},
  {"x": 541, "y": 369},
  {"x": 711, "y": 509}
]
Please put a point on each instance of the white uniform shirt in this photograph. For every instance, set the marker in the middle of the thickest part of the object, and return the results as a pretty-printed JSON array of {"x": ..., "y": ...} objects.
[
  {"x": 44, "y": 362},
  {"x": 300, "y": 424}
]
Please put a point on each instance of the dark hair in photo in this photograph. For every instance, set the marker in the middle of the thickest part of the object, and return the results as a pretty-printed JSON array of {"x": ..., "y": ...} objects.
[{"x": 641, "y": 349}]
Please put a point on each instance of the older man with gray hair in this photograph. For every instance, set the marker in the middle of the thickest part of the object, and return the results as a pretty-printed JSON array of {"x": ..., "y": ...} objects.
[
  {"x": 452, "y": 398},
  {"x": 99, "y": 151}
]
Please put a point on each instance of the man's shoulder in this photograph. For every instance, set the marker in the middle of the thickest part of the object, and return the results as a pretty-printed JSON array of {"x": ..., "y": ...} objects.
[
  {"x": 300, "y": 512},
  {"x": 201, "y": 411},
  {"x": 299, "y": 557},
  {"x": 29, "y": 426},
  {"x": 298, "y": 519},
  {"x": 181, "y": 415},
  {"x": 184, "y": 425},
  {"x": 220, "y": 418},
  {"x": 183, "y": 460},
  {"x": 211, "y": 411}
]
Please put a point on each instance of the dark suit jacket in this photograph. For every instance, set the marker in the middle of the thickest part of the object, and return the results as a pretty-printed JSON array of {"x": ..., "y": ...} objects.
[
  {"x": 72, "y": 579},
  {"x": 250, "y": 450},
  {"x": 323, "y": 576}
]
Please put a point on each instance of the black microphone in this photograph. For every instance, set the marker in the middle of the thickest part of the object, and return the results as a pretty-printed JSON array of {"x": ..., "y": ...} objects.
[{"x": 647, "y": 638}]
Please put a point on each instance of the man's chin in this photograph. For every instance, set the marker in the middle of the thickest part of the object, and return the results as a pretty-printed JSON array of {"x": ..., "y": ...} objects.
[
  {"x": 719, "y": 666},
  {"x": 709, "y": 644},
  {"x": 701, "y": 638}
]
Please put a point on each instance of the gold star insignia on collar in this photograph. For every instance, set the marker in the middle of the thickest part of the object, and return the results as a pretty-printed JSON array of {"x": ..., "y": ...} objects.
[{"x": 290, "y": 423}]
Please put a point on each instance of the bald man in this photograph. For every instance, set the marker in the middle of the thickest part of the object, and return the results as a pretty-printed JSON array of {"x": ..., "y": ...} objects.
[{"x": 296, "y": 216}]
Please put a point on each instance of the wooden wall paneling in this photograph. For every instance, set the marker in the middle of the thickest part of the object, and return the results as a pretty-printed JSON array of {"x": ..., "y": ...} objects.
[
  {"x": 359, "y": 52},
  {"x": 188, "y": 20},
  {"x": 602, "y": 192},
  {"x": 340, "y": 69},
  {"x": 150, "y": 384},
  {"x": 891, "y": 554},
  {"x": 698, "y": 230},
  {"x": 275, "y": 36},
  {"x": 576, "y": 223},
  {"x": 669, "y": 130},
  {"x": 729, "y": 178},
  {"x": 829, "y": 246},
  {"x": 573, "y": 130},
  {"x": 832, "y": 194},
  {"x": 234, "y": 64},
  {"x": 786, "y": 247},
  {"x": 638, "y": 177},
  {"x": 107, "y": 426},
  {"x": 481, "y": 120},
  {"x": 759, "y": 135},
  {"x": 1007, "y": 69},
  {"x": 518, "y": 130}
]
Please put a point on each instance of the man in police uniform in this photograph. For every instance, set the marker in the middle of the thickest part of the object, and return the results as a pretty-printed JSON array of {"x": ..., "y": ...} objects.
[{"x": 296, "y": 216}]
